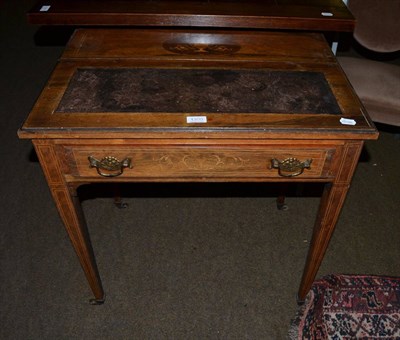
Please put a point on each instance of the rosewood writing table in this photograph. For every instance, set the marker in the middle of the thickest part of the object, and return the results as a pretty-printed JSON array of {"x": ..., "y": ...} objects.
[{"x": 157, "y": 105}]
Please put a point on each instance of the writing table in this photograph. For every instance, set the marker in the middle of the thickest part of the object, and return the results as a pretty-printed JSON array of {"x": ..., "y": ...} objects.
[{"x": 156, "y": 105}]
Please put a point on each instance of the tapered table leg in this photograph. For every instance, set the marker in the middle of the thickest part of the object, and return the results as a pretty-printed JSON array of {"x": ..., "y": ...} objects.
[
  {"x": 69, "y": 208},
  {"x": 331, "y": 204}
]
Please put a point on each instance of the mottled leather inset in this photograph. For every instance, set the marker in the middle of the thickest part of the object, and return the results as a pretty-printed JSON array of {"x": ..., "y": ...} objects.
[{"x": 197, "y": 91}]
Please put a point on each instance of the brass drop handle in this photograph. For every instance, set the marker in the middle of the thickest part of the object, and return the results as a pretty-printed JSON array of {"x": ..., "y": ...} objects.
[
  {"x": 109, "y": 166},
  {"x": 290, "y": 167}
]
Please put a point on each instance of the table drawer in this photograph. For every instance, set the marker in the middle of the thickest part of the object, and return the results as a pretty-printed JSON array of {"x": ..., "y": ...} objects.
[{"x": 190, "y": 161}]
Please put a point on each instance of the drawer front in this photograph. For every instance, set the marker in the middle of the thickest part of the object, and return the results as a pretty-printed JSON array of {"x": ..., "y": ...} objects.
[{"x": 194, "y": 161}]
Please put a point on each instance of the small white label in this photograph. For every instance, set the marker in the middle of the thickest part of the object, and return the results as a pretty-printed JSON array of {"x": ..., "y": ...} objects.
[
  {"x": 347, "y": 121},
  {"x": 196, "y": 119},
  {"x": 327, "y": 14},
  {"x": 44, "y": 8},
  {"x": 334, "y": 47}
]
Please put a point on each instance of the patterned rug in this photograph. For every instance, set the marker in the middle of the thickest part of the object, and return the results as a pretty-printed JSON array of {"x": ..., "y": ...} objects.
[{"x": 350, "y": 307}]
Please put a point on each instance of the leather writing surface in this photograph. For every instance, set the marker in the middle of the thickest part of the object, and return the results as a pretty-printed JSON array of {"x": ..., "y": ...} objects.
[{"x": 197, "y": 91}]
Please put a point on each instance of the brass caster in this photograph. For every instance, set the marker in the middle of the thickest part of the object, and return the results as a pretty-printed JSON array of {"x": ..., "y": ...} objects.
[
  {"x": 299, "y": 301},
  {"x": 96, "y": 302},
  {"x": 282, "y": 206},
  {"x": 121, "y": 205}
]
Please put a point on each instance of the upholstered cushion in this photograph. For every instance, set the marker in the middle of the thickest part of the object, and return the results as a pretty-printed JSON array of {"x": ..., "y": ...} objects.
[
  {"x": 378, "y": 86},
  {"x": 378, "y": 24}
]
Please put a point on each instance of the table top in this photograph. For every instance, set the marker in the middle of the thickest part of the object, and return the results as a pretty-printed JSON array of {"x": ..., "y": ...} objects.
[
  {"x": 129, "y": 83},
  {"x": 317, "y": 15}
]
